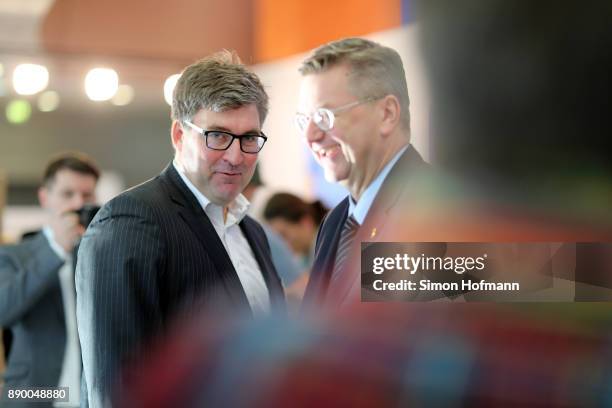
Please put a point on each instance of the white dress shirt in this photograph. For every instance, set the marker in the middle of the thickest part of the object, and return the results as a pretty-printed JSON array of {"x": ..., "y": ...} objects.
[
  {"x": 236, "y": 245},
  {"x": 71, "y": 368}
]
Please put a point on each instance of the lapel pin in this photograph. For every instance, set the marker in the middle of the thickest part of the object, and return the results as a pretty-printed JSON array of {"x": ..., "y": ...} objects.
[{"x": 373, "y": 233}]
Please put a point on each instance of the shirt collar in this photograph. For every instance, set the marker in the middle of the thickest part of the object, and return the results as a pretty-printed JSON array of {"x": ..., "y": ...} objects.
[
  {"x": 237, "y": 209},
  {"x": 61, "y": 252},
  {"x": 360, "y": 209}
]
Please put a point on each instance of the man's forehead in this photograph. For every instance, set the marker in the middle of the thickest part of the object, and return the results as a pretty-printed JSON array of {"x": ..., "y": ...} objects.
[
  {"x": 66, "y": 173},
  {"x": 327, "y": 87},
  {"x": 336, "y": 75},
  {"x": 241, "y": 117},
  {"x": 67, "y": 177},
  {"x": 222, "y": 111}
]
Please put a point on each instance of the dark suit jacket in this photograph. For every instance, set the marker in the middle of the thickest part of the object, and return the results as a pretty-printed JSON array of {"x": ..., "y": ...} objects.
[
  {"x": 149, "y": 255},
  {"x": 392, "y": 201},
  {"x": 31, "y": 305}
]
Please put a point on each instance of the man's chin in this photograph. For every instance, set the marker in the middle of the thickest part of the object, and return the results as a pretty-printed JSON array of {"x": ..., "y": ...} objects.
[
  {"x": 226, "y": 196},
  {"x": 332, "y": 176}
]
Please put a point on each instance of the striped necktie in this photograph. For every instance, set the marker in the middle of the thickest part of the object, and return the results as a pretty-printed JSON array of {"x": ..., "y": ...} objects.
[{"x": 349, "y": 230}]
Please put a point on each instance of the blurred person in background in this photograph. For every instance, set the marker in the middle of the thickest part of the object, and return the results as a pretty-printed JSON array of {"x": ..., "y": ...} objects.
[
  {"x": 182, "y": 240},
  {"x": 297, "y": 222},
  {"x": 353, "y": 114},
  {"x": 37, "y": 298}
]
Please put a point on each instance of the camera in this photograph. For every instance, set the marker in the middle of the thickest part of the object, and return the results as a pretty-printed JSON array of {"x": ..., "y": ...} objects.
[{"x": 87, "y": 213}]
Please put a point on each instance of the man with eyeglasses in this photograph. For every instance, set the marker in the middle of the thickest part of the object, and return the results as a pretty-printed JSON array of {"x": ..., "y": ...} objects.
[
  {"x": 353, "y": 114},
  {"x": 182, "y": 239}
]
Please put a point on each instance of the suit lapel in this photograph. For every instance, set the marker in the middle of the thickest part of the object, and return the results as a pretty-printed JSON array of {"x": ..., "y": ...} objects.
[
  {"x": 325, "y": 254},
  {"x": 196, "y": 219},
  {"x": 389, "y": 195},
  {"x": 377, "y": 221},
  {"x": 266, "y": 266}
]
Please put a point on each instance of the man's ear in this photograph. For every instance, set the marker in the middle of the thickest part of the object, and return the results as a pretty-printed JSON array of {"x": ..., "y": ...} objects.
[
  {"x": 176, "y": 134},
  {"x": 390, "y": 114},
  {"x": 42, "y": 196}
]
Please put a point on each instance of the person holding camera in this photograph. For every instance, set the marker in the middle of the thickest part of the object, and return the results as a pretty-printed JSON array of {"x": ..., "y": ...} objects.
[{"x": 37, "y": 294}]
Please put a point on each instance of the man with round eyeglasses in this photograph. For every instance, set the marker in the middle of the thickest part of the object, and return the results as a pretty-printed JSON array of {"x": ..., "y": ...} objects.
[
  {"x": 181, "y": 241},
  {"x": 323, "y": 117},
  {"x": 353, "y": 115}
]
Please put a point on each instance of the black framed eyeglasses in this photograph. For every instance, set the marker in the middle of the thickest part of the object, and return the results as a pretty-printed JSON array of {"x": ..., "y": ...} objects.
[{"x": 221, "y": 140}]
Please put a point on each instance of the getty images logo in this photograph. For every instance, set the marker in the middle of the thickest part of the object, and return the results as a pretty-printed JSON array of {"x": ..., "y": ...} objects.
[{"x": 411, "y": 264}]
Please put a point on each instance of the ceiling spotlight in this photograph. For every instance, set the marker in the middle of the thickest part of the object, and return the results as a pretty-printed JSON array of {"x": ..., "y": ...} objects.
[
  {"x": 101, "y": 84},
  {"x": 29, "y": 79},
  {"x": 169, "y": 87}
]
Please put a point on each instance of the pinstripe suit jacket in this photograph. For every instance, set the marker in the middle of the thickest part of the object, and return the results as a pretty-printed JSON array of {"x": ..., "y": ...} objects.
[{"x": 149, "y": 255}]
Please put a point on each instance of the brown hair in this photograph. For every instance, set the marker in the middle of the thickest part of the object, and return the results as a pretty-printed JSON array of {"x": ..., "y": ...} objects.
[
  {"x": 77, "y": 162},
  {"x": 292, "y": 208},
  {"x": 218, "y": 82}
]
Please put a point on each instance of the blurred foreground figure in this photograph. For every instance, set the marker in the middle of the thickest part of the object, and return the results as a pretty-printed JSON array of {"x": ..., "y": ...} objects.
[
  {"x": 520, "y": 129},
  {"x": 37, "y": 299},
  {"x": 181, "y": 240},
  {"x": 520, "y": 116},
  {"x": 428, "y": 355}
]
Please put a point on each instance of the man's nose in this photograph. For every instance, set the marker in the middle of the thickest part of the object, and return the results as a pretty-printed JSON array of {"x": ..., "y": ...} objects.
[
  {"x": 233, "y": 154},
  {"x": 313, "y": 133},
  {"x": 78, "y": 201}
]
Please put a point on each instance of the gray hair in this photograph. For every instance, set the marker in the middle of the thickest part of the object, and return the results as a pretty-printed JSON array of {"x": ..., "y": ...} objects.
[
  {"x": 218, "y": 82},
  {"x": 376, "y": 70}
]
